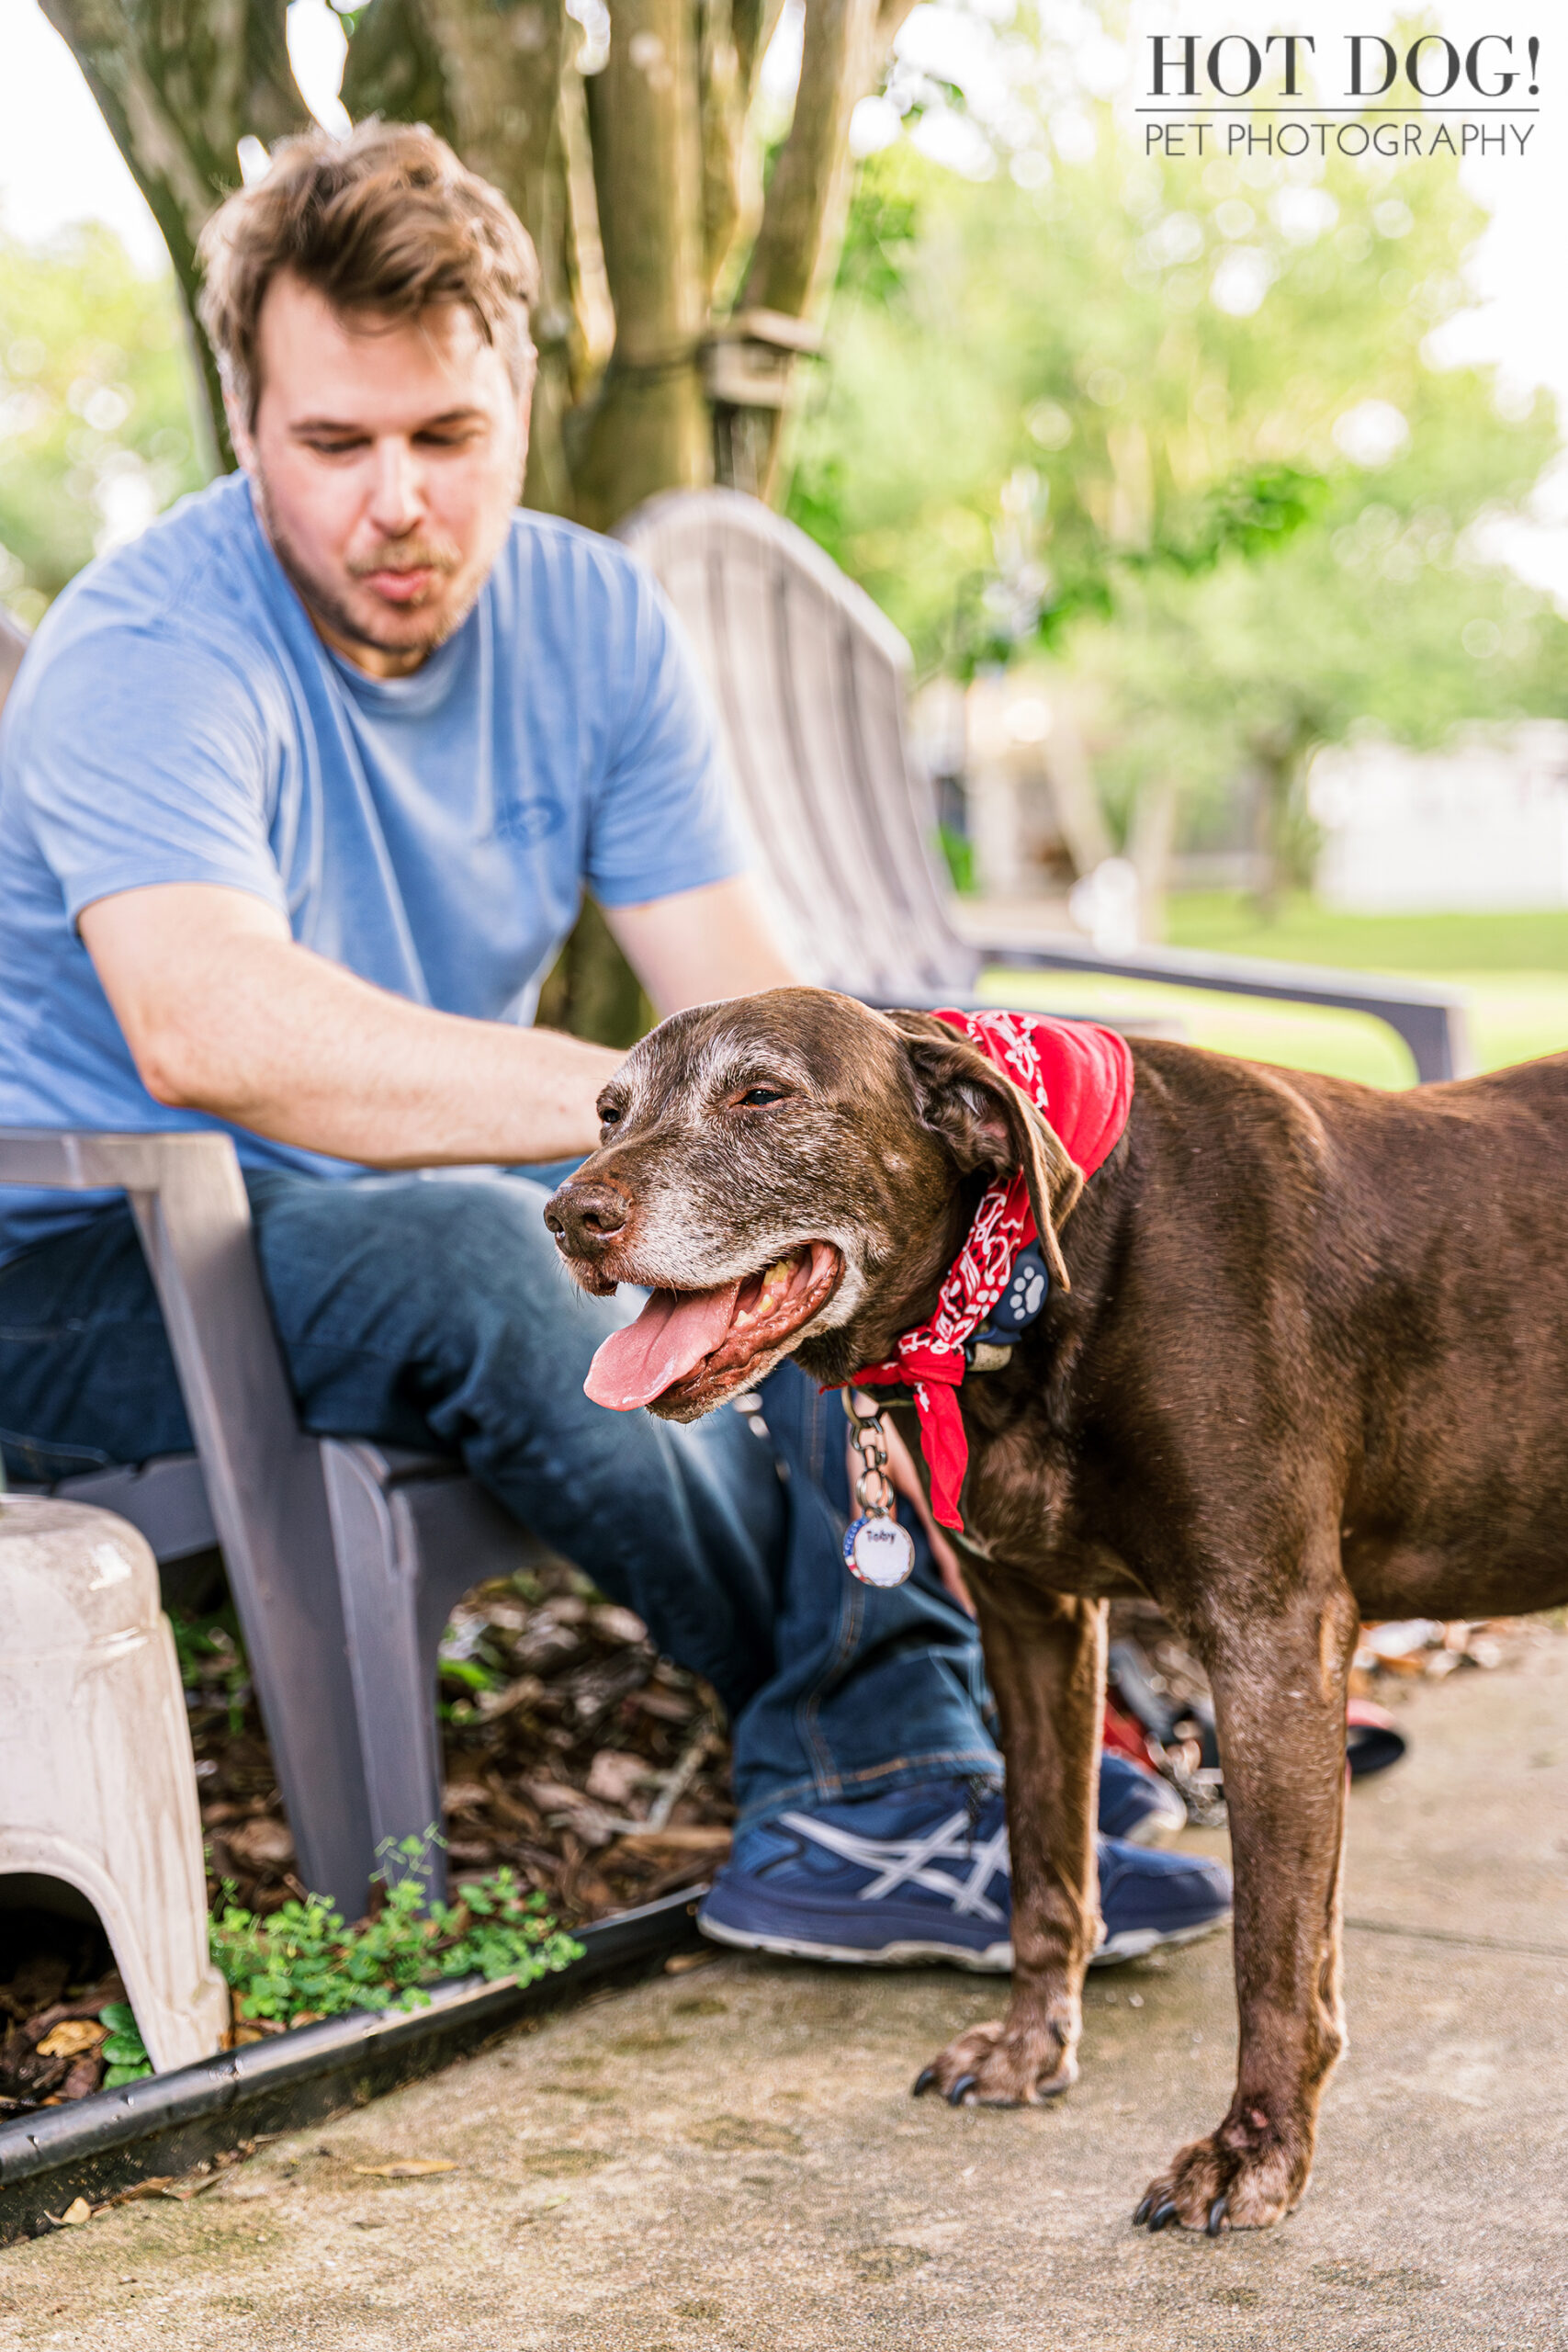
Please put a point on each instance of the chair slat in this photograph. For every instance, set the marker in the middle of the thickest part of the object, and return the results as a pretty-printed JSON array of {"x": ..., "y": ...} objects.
[{"x": 809, "y": 679}]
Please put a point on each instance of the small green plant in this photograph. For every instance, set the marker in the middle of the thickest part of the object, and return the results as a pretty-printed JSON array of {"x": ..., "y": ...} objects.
[
  {"x": 304, "y": 1961},
  {"x": 124, "y": 2049}
]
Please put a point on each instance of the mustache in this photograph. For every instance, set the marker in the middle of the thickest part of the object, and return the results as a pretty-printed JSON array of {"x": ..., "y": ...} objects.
[{"x": 406, "y": 555}]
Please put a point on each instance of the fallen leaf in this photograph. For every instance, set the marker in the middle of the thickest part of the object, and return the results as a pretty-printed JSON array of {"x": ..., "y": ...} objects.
[
  {"x": 664, "y": 1706},
  {"x": 77, "y": 2211},
  {"x": 261, "y": 1844},
  {"x": 680, "y": 1963},
  {"x": 407, "y": 2167},
  {"x": 68, "y": 2041},
  {"x": 617, "y": 1624},
  {"x": 687, "y": 1838},
  {"x": 615, "y": 1776},
  {"x": 463, "y": 1796},
  {"x": 521, "y": 1693}
]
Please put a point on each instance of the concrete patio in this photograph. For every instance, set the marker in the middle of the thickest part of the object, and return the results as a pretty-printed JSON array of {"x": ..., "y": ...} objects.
[{"x": 728, "y": 2157}]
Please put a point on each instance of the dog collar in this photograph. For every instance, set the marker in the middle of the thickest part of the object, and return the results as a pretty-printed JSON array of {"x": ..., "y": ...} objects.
[{"x": 1080, "y": 1079}]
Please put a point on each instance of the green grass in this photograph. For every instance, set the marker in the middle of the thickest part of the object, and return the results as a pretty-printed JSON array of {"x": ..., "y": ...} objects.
[
  {"x": 1304, "y": 932},
  {"x": 1512, "y": 969}
]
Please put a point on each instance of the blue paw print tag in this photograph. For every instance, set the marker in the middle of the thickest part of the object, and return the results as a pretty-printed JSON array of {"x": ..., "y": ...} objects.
[{"x": 1025, "y": 1296}]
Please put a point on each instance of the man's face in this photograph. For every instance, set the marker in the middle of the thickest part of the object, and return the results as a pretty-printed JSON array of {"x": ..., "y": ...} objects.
[{"x": 387, "y": 457}]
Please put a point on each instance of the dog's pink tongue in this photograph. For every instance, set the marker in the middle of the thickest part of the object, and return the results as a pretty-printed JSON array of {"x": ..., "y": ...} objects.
[{"x": 672, "y": 1334}]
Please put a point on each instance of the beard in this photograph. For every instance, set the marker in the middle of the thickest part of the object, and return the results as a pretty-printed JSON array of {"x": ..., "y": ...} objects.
[{"x": 413, "y": 631}]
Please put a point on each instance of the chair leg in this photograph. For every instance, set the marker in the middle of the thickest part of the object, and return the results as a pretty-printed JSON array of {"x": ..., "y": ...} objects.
[{"x": 394, "y": 1695}]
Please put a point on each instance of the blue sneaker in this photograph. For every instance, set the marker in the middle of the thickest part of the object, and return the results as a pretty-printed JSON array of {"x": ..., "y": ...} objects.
[
  {"x": 921, "y": 1874},
  {"x": 1136, "y": 1805}
]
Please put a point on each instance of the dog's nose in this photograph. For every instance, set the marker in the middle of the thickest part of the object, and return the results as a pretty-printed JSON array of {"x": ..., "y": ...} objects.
[{"x": 585, "y": 1217}]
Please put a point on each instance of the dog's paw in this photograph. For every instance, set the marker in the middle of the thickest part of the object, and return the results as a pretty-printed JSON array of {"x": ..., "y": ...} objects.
[
  {"x": 1017, "y": 2063},
  {"x": 1241, "y": 2178}
]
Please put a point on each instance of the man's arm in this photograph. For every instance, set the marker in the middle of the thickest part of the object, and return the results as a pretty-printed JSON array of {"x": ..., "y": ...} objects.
[
  {"x": 225, "y": 1012},
  {"x": 701, "y": 945}
]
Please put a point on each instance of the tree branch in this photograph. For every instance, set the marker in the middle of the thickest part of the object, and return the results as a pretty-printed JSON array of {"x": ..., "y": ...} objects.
[{"x": 803, "y": 220}]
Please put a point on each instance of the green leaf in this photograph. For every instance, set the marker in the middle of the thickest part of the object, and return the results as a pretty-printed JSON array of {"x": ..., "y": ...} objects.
[{"x": 116, "y": 2075}]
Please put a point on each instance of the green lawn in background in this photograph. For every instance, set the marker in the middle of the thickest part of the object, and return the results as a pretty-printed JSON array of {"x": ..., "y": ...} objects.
[
  {"x": 1440, "y": 947},
  {"x": 1513, "y": 969}
]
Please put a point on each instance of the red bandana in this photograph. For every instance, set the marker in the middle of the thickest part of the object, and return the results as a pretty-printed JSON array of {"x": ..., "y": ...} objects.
[{"x": 1080, "y": 1079}]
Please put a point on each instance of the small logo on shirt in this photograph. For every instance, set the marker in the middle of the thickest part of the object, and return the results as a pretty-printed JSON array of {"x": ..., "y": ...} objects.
[{"x": 530, "y": 820}]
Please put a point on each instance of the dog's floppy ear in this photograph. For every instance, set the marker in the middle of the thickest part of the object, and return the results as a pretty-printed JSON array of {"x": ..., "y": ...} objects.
[{"x": 988, "y": 1123}]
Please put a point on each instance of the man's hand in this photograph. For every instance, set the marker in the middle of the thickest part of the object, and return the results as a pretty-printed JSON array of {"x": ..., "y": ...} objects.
[{"x": 225, "y": 1012}]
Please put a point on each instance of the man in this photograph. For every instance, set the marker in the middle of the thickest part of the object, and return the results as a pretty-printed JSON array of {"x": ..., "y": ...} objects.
[{"x": 298, "y": 796}]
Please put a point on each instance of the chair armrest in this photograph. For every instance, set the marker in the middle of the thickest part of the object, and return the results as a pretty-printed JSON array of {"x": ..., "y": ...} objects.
[
  {"x": 195, "y": 1222},
  {"x": 1430, "y": 1018},
  {"x": 263, "y": 1474}
]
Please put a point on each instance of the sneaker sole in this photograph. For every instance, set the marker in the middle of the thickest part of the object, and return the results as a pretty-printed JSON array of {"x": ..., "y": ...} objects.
[
  {"x": 1137, "y": 1943},
  {"x": 994, "y": 1959}
]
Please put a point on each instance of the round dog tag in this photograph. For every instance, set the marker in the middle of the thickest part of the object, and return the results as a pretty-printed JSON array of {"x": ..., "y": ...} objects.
[{"x": 878, "y": 1550}]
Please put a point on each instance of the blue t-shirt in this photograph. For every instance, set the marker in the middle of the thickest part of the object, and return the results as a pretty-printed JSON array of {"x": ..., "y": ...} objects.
[{"x": 177, "y": 720}]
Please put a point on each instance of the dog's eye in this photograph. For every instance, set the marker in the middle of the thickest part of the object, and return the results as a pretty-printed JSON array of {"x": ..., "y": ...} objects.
[
  {"x": 755, "y": 1098},
  {"x": 609, "y": 1114}
]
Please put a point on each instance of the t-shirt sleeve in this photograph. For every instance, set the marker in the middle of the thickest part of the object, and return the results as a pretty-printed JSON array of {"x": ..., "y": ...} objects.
[
  {"x": 142, "y": 758},
  {"x": 663, "y": 819}
]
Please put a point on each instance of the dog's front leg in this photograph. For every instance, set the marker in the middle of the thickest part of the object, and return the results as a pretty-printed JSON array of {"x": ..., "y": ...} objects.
[
  {"x": 1279, "y": 1680},
  {"x": 1046, "y": 1660}
]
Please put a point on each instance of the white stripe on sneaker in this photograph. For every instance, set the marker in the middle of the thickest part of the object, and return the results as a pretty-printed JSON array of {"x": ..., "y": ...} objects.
[{"x": 906, "y": 1861}]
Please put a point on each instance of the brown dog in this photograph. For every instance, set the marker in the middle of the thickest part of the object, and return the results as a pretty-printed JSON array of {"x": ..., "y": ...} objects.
[{"x": 1311, "y": 1366}]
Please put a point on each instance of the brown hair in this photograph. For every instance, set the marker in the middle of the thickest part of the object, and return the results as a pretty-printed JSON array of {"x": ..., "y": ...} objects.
[{"x": 386, "y": 220}]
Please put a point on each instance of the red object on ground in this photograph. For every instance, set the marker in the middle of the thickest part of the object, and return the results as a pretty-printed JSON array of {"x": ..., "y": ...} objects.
[{"x": 1124, "y": 1737}]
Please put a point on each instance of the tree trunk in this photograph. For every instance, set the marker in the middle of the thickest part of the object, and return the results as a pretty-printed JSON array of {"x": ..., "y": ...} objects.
[
  {"x": 180, "y": 83},
  {"x": 502, "y": 70},
  {"x": 648, "y": 426}
]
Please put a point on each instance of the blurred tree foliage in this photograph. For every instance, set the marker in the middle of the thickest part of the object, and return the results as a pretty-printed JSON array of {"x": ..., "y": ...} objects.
[
  {"x": 1064, "y": 417},
  {"x": 1031, "y": 390},
  {"x": 96, "y": 431}
]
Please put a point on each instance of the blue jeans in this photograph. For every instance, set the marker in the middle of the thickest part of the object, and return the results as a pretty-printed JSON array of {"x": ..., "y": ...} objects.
[{"x": 432, "y": 1312}]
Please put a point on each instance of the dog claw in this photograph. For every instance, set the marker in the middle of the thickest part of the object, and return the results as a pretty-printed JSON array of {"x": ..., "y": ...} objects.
[
  {"x": 923, "y": 2081},
  {"x": 1217, "y": 2214},
  {"x": 1163, "y": 2215},
  {"x": 964, "y": 2082},
  {"x": 1146, "y": 2208}
]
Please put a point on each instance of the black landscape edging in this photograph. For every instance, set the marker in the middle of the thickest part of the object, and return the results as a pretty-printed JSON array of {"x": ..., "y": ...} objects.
[{"x": 166, "y": 2124}]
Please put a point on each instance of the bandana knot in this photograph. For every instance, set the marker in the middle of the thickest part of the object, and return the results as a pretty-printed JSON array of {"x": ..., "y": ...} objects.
[{"x": 1079, "y": 1078}]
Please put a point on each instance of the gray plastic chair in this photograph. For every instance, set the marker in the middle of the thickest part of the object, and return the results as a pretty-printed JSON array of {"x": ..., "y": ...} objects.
[
  {"x": 810, "y": 680},
  {"x": 345, "y": 1559}
]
